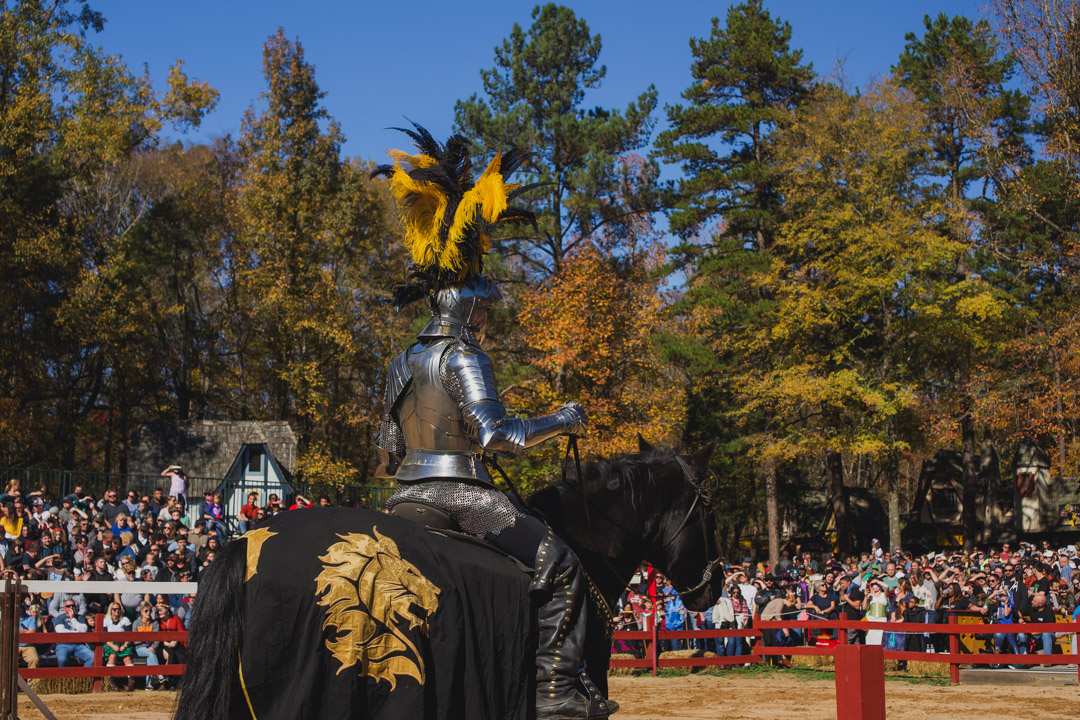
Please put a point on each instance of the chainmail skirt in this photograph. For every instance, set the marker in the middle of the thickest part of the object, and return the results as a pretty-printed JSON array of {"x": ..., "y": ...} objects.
[{"x": 476, "y": 509}]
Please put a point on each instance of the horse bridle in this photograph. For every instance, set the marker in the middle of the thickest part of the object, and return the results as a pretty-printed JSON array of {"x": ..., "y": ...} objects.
[{"x": 703, "y": 503}]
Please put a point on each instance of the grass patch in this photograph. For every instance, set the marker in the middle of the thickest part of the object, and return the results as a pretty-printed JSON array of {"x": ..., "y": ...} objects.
[{"x": 801, "y": 672}]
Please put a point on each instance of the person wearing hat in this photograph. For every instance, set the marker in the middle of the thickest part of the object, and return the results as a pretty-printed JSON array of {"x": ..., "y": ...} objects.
[{"x": 178, "y": 483}]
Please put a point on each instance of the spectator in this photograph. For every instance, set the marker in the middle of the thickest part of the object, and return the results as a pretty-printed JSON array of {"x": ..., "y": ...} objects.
[
  {"x": 146, "y": 622},
  {"x": 851, "y": 604},
  {"x": 60, "y": 601},
  {"x": 33, "y": 621},
  {"x": 300, "y": 503},
  {"x": 173, "y": 651},
  {"x": 112, "y": 508},
  {"x": 115, "y": 621},
  {"x": 131, "y": 502},
  {"x": 674, "y": 614},
  {"x": 11, "y": 522},
  {"x": 1003, "y": 611},
  {"x": 876, "y": 606},
  {"x": 72, "y": 622},
  {"x": 1041, "y": 612},
  {"x": 249, "y": 512},
  {"x": 178, "y": 483},
  {"x": 274, "y": 505},
  {"x": 157, "y": 501}
]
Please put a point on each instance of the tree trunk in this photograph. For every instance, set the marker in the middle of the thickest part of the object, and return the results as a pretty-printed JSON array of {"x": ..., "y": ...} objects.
[
  {"x": 971, "y": 482},
  {"x": 1060, "y": 408},
  {"x": 772, "y": 514},
  {"x": 990, "y": 474},
  {"x": 834, "y": 466},
  {"x": 892, "y": 477}
]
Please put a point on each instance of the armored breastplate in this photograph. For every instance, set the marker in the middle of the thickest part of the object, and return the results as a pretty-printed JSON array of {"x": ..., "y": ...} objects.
[{"x": 435, "y": 436}]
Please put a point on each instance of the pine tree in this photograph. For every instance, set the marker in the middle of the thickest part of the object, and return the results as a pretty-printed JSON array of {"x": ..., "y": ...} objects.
[
  {"x": 955, "y": 69},
  {"x": 535, "y": 98},
  {"x": 746, "y": 78}
]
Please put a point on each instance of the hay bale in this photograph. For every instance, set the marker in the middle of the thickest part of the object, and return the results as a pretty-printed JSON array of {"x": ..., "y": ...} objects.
[
  {"x": 813, "y": 662},
  {"x": 66, "y": 686},
  {"x": 623, "y": 671},
  {"x": 682, "y": 654}
]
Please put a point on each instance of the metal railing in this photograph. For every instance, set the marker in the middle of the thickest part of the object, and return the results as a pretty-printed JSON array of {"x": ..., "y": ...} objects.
[{"x": 63, "y": 482}]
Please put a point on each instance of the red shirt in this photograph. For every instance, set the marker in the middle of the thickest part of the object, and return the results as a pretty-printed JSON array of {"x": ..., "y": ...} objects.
[
  {"x": 173, "y": 624},
  {"x": 248, "y": 511}
]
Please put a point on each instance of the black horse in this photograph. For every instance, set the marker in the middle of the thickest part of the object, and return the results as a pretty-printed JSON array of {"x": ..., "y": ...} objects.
[{"x": 350, "y": 613}]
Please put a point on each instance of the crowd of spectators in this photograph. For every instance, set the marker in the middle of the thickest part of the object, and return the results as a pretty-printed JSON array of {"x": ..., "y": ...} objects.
[
  {"x": 120, "y": 536},
  {"x": 1000, "y": 585}
]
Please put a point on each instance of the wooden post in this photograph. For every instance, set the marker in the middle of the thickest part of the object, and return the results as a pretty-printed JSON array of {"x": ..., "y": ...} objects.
[
  {"x": 5, "y": 653},
  {"x": 9, "y": 649},
  {"x": 99, "y": 653},
  {"x": 655, "y": 650},
  {"x": 954, "y": 649},
  {"x": 860, "y": 682}
]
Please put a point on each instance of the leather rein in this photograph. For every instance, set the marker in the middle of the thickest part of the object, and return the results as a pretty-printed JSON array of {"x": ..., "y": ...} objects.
[{"x": 702, "y": 503}]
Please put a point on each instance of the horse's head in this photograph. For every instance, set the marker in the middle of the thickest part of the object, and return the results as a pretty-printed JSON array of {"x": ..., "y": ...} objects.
[
  {"x": 653, "y": 505},
  {"x": 681, "y": 537}
]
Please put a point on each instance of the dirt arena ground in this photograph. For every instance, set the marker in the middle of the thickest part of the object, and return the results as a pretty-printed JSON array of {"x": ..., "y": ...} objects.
[{"x": 696, "y": 697}]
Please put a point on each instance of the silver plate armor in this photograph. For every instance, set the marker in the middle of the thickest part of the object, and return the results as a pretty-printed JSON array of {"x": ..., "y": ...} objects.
[
  {"x": 442, "y": 414},
  {"x": 449, "y": 415}
]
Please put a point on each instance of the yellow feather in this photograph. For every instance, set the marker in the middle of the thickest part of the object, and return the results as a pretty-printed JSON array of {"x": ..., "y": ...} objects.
[
  {"x": 486, "y": 198},
  {"x": 423, "y": 207},
  {"x": 416, "y": 161}
]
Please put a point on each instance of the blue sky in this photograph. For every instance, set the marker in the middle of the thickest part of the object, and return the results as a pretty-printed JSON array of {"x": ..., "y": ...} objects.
[{"x": 378, "y": 61}]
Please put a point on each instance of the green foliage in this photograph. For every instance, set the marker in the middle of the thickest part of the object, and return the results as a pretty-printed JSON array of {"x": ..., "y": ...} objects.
[
  {"x": 534, "y": 100},
  {"x": 746, "y": 78}
]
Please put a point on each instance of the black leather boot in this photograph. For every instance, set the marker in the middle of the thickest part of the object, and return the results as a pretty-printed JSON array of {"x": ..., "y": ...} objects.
[{"x": 560, "y": 692}]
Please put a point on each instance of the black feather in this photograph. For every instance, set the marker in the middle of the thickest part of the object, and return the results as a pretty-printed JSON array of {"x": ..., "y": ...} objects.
[
  {"x": 512, "y": 160},
  {"x": 517, "y": 214},
  {"x": 423, "y": 139},
  {"x": 382, "y": 170},
  {"x": 457, "y": 161},
  {"x": 519, "y": 191},
  {"x": 437, "y": 176},
  {"x": 416, "y": 287}
]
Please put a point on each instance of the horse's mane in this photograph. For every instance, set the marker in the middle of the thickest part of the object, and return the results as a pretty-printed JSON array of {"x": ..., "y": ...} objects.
[{"x": 633, "y": 471}]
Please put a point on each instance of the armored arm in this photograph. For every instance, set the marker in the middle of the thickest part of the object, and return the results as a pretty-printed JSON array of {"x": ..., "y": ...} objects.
[
  {"x": 470, "y": 380},
  {"x": 389, "y": 440}
]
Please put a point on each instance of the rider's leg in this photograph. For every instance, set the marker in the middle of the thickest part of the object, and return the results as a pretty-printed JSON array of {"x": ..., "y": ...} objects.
[{"x": 559, "y": 590}]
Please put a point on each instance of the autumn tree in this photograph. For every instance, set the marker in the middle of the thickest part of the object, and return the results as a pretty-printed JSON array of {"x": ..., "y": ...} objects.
[
  {"x": 307, "y": 329},
  {"x": 746, "y": 77},
  {"x": 71, "y": 120},
  {"x": 1040, "y": 230},
  {"x": 850, "y": 265},
  {"x": 956, "y": 70}
]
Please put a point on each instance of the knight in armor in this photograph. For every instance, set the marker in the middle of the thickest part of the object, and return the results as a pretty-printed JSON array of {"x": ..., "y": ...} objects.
[{"x": 442, "y": 412}]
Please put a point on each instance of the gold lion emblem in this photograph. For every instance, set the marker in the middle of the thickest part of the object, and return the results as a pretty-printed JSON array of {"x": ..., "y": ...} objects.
[{"x": 370, "y": 594}]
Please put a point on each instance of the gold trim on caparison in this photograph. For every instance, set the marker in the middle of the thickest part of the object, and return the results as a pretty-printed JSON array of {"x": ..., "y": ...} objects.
[{"x": 243, "y": 686}]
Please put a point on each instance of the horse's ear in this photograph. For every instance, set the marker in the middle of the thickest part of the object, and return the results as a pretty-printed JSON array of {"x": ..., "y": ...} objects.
[
  {"x": 643, "y": 445},
  {"x": 700, "y": 460}
]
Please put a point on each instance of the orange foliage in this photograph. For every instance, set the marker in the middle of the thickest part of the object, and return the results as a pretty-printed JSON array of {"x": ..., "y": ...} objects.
[{"x": 590, "y": 328}]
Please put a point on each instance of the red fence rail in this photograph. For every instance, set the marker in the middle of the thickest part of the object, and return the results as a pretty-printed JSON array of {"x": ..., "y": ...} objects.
[
  {"x": 953, "y": 629},
  {"x": 98, "y": 638}
]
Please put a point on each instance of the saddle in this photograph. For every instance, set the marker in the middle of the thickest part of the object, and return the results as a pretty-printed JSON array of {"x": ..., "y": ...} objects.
[{"x": 438, "y": 522}]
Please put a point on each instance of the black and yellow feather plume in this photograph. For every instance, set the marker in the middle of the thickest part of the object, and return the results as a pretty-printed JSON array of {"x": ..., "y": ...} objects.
[{"x": 448, "y": 216}]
